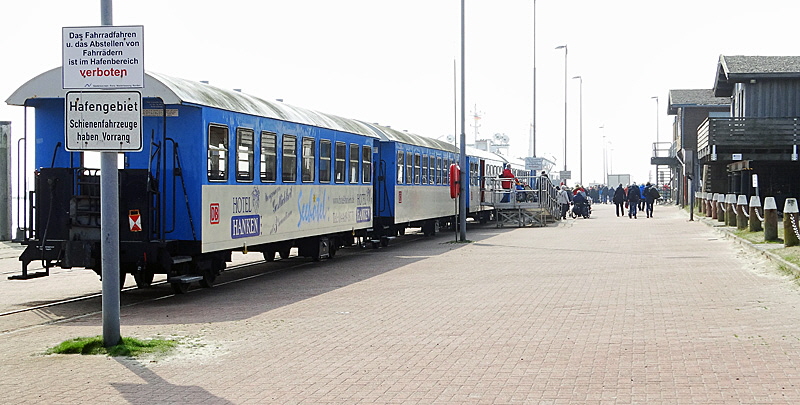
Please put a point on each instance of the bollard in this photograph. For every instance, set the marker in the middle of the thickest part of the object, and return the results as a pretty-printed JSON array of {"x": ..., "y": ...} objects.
[
  {"x": 712, "y": 205},
  {"x": 730, "y": 209},
  {"x": 709, "y": 210},
  {"x": 721, "y": 207},
  {"x": 741, "y": 208},
  {"x": 755, "y": 222},
  {"x": 770, "y": 220},
  {"x": 790, "y": 227}
]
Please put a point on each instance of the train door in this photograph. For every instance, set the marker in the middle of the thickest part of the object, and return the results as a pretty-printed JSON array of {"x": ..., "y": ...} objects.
[{"x": 482, "y": 178}]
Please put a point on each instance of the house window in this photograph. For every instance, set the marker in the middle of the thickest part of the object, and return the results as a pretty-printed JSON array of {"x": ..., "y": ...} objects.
[
  {"x": 324, "y": 161},
  {"x": 269, "y": 157},
  {"x": 217, "y": 152},
  {"x": 245, "y": 154},
  {"x": 289, "y": 163}
]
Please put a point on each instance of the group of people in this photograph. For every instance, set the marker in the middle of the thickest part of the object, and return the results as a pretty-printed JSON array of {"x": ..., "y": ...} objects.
[
  {"x": 577, "y": 196},
  {"x": 635, "y": 198}
]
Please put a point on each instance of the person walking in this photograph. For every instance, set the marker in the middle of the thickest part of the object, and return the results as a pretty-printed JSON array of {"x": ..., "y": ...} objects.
[
  {"x": 634, "y": 196},
  {"x": 651, "y": 194},
  {"x": 619, "y": 200},
  {"x": 563, "y": 201}
]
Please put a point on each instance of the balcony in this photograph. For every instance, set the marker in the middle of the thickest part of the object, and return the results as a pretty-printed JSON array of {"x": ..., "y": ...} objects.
[
  {"x": 664, "y": 154},
  {"x": 732, "y": 139}
]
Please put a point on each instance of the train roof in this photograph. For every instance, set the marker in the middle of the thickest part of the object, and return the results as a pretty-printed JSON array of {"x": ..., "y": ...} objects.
[
  {"x": 172, "y": 90},
  {"x": 390, "y": 134}
]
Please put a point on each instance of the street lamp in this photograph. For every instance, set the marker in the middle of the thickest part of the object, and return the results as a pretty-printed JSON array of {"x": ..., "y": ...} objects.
[
  {"x": 580, "y": 141},
  {"x": 605, "y": 153},
  {"x": 564, "y": 47},
  {"x": 657, "y": 140}
]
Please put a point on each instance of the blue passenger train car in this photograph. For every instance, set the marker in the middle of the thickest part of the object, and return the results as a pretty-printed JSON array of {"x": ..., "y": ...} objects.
[
  {"x": 223, "y": 171},
  {"x": 220, "y": 171}
]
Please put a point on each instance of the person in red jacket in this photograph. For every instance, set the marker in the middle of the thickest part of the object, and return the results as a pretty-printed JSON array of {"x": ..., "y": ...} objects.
[{"x": 506, "y": 184}]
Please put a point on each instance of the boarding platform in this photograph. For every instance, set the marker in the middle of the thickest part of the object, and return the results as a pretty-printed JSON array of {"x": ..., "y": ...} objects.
[{"x": 529, "y": 202}]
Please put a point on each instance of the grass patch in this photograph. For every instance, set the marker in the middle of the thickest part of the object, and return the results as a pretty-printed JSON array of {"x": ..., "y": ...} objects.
[
  {"x": 790, "y": 254},
  {"x": 128, "y": 347}
]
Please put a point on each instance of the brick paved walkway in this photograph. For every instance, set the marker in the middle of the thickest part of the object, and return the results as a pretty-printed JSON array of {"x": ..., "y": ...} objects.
[{"x": 600, "y": 311}]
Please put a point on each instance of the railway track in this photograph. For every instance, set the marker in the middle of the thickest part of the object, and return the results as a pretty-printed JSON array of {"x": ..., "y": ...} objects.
[{"x": 52, "y": 311}]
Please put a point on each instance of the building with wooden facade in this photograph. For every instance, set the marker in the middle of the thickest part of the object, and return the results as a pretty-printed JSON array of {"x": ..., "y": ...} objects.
[
  {"x": 691, "y": 107},
  {"x": 758, "y": 136}
]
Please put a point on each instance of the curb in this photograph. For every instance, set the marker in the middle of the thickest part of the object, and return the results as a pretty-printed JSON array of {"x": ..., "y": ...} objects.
[{"x": 727, "y": 231}]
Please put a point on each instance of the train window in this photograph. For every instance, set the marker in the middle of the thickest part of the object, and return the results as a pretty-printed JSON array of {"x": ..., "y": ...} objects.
[
  {"x": 354, "y": 163},
  {"x": 217, "y": 152},
  {"x": 400, "y": 166},
  {"x": 339, "y": 169},
  {"x": 245, "y": 158},
  {"x": 409, "y": 168},
  {"x": 416, "y": 168},
  {"x": 438, "y": 170},
  {"x": 424, "y": 169},
  {"x": 269, "y": 157},
  {"x": 366, "y": 165},
  {"x": 307, "y": 168},
  {"x": 289, "y": 162},
  {"x": 324, "y": 161}
]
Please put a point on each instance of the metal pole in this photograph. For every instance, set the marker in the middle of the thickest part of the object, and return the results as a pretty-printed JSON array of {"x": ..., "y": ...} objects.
[
  {"x": 533, "y": 143},
  {"x": 5, "y": 181},
  {"x": 580, "y": 142},
  {"x": 462, "y": 214},
  {"x": 605, "y": 155},
  {"x": 109, "y": 228},
  {"x": 564, "y": 47}
]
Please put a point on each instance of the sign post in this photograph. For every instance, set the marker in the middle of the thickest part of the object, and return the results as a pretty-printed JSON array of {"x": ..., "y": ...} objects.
[{"x": 110, "y": 58}]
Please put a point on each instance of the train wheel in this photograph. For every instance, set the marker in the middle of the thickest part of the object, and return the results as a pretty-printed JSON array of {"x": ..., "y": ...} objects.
[
  {"x": 284, "y": 253},
  {"x": 179, "y": 288},
  {"x": 144, "y": 278},
  {"x": 208, "y": 281},
  {"x": 269, "y": 255}
]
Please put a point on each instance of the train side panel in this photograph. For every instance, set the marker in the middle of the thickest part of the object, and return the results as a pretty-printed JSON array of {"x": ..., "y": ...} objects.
[{"x": 235, "y": 217}]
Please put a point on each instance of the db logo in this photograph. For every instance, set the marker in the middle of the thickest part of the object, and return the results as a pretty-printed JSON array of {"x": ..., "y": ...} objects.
[{"x": 214, "y": 211}]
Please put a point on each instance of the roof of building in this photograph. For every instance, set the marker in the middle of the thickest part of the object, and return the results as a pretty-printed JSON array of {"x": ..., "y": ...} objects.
[
  {"x": 701, "y": 98},
  {"x": 739, "y": 68}
]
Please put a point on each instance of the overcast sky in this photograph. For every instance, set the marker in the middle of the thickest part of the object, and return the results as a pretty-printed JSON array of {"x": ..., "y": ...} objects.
[{"x": 392, "y": 62}]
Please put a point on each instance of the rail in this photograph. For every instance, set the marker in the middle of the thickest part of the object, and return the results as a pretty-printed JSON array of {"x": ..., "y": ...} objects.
[
  {"x": 527, "y": 193},
  {"x": 717, "y": 137}
]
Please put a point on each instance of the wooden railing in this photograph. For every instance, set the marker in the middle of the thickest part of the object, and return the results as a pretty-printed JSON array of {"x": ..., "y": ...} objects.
[{"x": 762, "y": 138}]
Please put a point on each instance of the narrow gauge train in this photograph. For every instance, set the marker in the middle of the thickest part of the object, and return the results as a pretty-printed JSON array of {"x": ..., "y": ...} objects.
[{"x": 274, "y": 177}]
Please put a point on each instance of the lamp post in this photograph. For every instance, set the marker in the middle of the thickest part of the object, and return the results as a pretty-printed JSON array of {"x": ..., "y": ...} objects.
[
  {"x": 657, "y": 140},
  {"x": 564, "y": 47},
  {"x": 605, "y": 166},
  {"x": 580, "y": 139},
  {"x": 655, "y": 150},
  {"x": 532, "y": 148}
]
